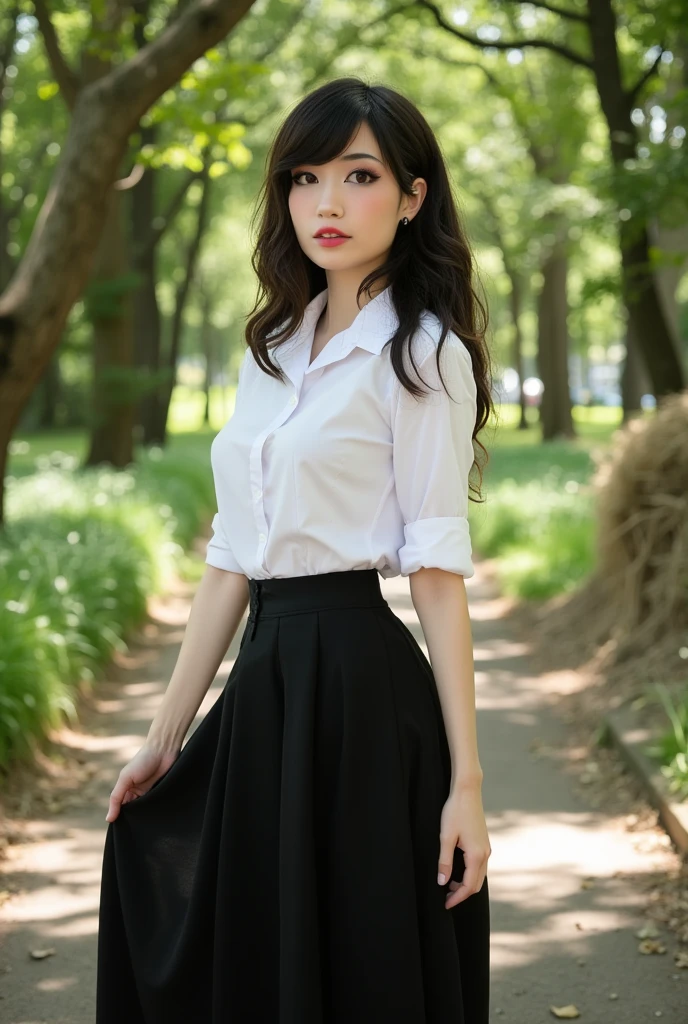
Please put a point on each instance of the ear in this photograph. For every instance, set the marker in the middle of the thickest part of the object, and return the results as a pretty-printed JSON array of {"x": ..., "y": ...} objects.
[{"x": 413, "y": 203}]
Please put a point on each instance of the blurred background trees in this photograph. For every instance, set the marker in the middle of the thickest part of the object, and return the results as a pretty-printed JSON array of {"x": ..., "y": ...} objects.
[{"x": 563, "y": 125}]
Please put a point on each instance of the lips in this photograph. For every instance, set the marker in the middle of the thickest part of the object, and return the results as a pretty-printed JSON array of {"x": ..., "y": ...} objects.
[{"x": 330, "y": 231}]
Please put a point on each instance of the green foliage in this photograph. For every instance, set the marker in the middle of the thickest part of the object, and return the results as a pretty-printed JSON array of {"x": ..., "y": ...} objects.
[
  {"x": 82, "y": 550},
  {"x": 671, "y": 750},
  {"x": 103, "y": 298},
  {"x": 538, "y": 517},
  {"x": 542, "y": 532}
]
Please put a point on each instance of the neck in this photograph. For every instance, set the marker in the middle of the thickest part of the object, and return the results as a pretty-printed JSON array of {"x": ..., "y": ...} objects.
[{"x": 341, "y": 308}]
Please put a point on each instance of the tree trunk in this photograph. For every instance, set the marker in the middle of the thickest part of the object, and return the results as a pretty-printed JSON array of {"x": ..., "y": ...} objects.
[
  {"x": 112, "y": 412},
  {"x": 147, "y": 325},
  {"x": 50, "y": 394},
  {"x": 553, "y": 346},
  {"x": 145, "y": 239},
  {"x": 207, "y": 347},
  {"x": 182, "y": 295},
  {"x": 633, "y": 383},
  {"x": 640, "y": 293},
  {"x": 674, "y": 243},
  {"x": 515, "y": 303}
]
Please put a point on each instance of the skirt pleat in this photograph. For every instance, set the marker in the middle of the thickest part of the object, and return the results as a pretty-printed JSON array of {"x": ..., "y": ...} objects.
[{"x": 283, "y": 871}]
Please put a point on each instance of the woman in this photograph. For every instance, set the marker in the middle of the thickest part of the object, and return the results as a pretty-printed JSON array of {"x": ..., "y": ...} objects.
[{"x": 317, "y": 851}]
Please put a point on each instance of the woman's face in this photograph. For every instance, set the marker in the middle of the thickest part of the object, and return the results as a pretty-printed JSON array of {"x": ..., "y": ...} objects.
[{"x": 357, "y": 194}]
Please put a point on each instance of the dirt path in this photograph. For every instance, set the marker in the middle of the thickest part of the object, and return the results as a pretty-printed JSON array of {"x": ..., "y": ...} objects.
[{"x": 566, "y": 880}]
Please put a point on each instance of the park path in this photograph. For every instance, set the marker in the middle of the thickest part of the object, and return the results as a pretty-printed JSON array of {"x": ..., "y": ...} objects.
[{"x": 565, "y": 879}]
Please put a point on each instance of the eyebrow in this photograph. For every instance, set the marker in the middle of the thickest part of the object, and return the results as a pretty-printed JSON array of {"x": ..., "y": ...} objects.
[{"x": 357, "y": 156}]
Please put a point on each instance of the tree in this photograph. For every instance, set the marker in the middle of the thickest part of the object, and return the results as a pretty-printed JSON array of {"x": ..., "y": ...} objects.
[
  {"x": 58, "y": 260},
  {"x": 598, "y": 23}
]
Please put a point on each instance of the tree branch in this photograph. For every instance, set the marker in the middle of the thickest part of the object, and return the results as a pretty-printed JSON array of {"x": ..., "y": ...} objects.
[
  {"x": 273, "y": 43},
  {"x": 166, "y": 219},
  {"x": 66, "y": 78},
  {"x": 444, "y": 59},
  {"x": 138, "y": 82},
  {"x": 572, "y": 15},
  {"x": 646, "y": 76},
  {"x": 512, "y": 44}
]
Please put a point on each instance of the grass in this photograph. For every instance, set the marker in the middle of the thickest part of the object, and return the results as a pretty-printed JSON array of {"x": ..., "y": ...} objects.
[
  {"x": 671, "y": 748},
  {"x": 82, "y": 550},
  {"x": 538, "y": 515}
]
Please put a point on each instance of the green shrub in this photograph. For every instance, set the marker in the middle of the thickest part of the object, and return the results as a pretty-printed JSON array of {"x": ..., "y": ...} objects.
[
  {"x": 81, "y": 552},
  {"x": 671, "y": 749},
  {"x": 538, "y": 517},
  {"x": 543, "y": 535}
]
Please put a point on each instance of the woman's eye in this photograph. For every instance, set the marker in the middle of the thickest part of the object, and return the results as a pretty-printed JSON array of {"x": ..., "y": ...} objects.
[
  {"x": 370, "y": 174},
  {"x": 294, "y": 177},
  {"x": 360, "y": 170}
]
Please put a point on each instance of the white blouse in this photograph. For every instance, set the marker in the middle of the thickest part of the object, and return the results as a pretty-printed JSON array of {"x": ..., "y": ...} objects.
[{"x": 341, "y": 468}]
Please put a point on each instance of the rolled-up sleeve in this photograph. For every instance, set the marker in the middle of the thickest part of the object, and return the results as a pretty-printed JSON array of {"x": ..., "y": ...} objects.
[
  {"x": 219, "y": 552},
  {"x": 432, "y": 456}
]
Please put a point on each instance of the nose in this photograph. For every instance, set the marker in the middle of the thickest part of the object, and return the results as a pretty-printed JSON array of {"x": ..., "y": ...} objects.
[
  {"x": 328, "y": 211},
  {"x": 328, "y": 206}
]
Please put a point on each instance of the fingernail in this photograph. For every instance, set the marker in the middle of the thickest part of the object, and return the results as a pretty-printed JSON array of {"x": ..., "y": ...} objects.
[{"x": 441, "y": 879}]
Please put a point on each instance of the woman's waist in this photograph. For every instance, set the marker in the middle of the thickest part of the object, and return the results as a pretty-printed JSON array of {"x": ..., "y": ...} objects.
[{"x": 351, "y": 588}]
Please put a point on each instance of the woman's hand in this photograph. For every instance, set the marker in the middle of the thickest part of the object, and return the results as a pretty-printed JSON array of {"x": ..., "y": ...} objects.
[
  {"x": 137, "y": 777},
  {"x": 463, "y": 824}
]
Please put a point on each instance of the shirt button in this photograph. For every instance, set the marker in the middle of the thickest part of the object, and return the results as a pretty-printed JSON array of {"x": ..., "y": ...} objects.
[
  {"x": 256, "y": 493},
  {"x": 261, "y": 536},
  {"x": 292, "y": 400}
]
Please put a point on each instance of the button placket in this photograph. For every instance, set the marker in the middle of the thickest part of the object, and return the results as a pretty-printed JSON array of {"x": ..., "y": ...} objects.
[{"x": 256, "y": 464}]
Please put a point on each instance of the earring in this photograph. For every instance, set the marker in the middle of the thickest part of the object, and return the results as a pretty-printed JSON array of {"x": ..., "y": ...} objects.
[{"x": 405, "y": 221}]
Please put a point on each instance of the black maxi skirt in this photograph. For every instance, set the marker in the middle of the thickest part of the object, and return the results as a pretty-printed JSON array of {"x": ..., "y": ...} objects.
[{"x": 284, "y": 869}]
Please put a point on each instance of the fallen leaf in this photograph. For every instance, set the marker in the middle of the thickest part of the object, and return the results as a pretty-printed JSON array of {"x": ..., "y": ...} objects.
[
  {"x": 565, "y": 1012},
  {"x": 41, "y": 954},
  {"x": 651, "y": 946}
]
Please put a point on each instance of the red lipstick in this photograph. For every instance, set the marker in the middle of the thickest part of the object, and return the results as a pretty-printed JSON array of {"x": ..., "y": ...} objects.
[{"x": 337, "y": 236}]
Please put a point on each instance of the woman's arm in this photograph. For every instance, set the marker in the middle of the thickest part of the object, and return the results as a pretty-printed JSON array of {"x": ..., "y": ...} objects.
[
  {"x": 439, "y": 597},
  {"x": 216, "y": 611}
]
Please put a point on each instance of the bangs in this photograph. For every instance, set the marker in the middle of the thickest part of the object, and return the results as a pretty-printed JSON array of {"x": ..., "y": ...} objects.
[{"x": 321, "y": 129}]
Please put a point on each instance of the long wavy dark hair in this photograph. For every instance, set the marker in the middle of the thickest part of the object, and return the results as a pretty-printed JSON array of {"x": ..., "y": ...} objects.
[{"x": 430, "y": 264}]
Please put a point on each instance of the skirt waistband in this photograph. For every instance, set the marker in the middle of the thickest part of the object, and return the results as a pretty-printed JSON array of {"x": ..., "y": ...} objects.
[{"x": 353, "y": 588}]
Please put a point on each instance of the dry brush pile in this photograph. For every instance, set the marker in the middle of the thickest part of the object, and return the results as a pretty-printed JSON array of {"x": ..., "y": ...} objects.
[
  {"x": 630, "y": 620},
  {"x": 643, "y": 528}
]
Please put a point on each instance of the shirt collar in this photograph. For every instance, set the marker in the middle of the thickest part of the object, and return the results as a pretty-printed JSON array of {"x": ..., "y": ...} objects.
[{"x": 372, "y": 327}]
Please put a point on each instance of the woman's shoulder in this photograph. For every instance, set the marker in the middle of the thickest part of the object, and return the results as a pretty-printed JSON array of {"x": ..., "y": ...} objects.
[
  {"x": 426, "y": 340},
  {"x": 455, "y": 364}
]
